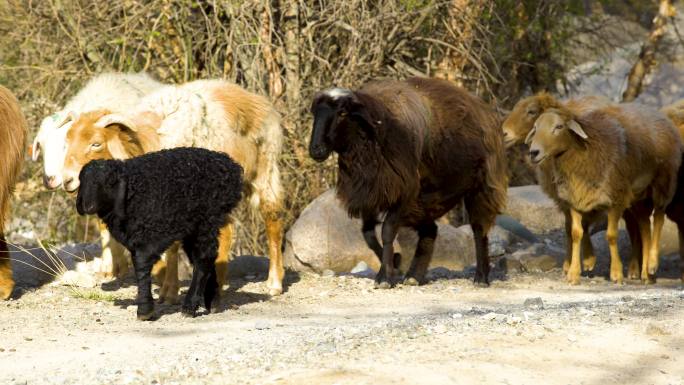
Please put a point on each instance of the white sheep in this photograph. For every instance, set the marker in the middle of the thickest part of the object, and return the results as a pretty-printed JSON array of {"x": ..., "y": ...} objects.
[
  {"x": 213, "y": 114},
  {"x": 114, "y": 91}
]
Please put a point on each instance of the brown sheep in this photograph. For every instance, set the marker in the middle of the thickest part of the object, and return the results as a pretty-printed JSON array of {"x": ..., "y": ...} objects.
[
  {"x": 608, "y": 160},
  {"x": 675, "y": 210},
  {"x": 412, "y": 150},
  {"x": 518, "y": 125},
  {"x": 13, "y": 129}
]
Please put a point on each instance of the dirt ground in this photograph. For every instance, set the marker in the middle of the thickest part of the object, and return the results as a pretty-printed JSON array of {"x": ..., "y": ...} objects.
[{"x": 524, "y": 329}]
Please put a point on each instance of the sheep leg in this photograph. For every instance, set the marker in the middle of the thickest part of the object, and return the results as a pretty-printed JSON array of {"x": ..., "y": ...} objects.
[
  {"x": 143, "y": 267},
  {"x": 224, "y": 243},
  {"x": 588, "y": 255},
  {"x": 481, "y": 220},
  {"x": 203, "y": 286},
  {"x": 680, "y": 228},
  {"x": 568, "y": 243},
  {"x": 653, "y": 256},
  {"x": 644, "y": 222},
  {"x": 384, "y": 278},
  {"x": 635, "y": 240},
  {"x": 614, "y": 216},
  {"x": 274, "y": 235},
  {"x": 368, "y": 230},
  {"x": 577, "y": 231},
  {"x": 168, "y": 293},
  {"x": 114, "y": 264},
  {"x": 6, "y": 281},
  {"x": 427, "y": 233}
]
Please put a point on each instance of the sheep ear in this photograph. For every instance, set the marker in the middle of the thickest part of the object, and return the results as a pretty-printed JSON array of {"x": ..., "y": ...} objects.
[
  {"x": 71, "y": 116},
  {"x": 577, "y": 129},
  {"x": 120, "y": 198},
  {"x": 359, "y": 112},
  {"x": 121, "y": 120},
  {"x": 529, "y": 136}
]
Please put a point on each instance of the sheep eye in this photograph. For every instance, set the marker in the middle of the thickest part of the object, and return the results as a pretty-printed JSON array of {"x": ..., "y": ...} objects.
[
  {"x": 96, "y": 145},
  {"x": 532, "y": 112},
  {"x": 558, "y": 127},
  {"x": 343, "y": 113}
]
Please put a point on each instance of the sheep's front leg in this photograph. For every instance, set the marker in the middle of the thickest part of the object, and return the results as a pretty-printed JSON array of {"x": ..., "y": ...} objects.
[
  {"x": 644, "y": 222},
  {"x": 575, "y": 269},
  {"x": 568, "y": 241},
  {"x": 368, "y": 231},
  {"x": 588, "y": 255},
  {"x": 384, "y": 279},
  {"x": 614, "y": 215},
  {"x": 427, "y": 233},
  {"x": 654, "y": 255},
  {"x": 143, "y": 268}
]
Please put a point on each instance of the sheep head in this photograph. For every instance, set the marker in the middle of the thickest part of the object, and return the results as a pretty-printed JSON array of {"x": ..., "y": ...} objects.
[
  {"x": 339, "y": 118},
  {"x": 552, "y": 134},
  {"x": 102, "y": 188},
  {"x": 521, "y": 119},
  {"x": 50, "y": 142},
  {"x": 101, "y": 135}
]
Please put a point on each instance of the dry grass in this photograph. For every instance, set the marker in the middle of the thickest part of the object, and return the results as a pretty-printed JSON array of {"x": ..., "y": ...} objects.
[{"x": 287, "y": 49}]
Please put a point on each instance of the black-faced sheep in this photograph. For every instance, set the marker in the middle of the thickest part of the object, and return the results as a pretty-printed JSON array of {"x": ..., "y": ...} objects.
[
  {"x": 12, "y": 138},
  {"x": 610, "y": 159},
  {"x": 151, "y": 201},
  {"x": 413, "y": 149}
]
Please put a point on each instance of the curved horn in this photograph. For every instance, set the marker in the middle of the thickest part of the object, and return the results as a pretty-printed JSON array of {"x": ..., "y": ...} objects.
[
  {"x": 71, "y": 116},
  {"x": 115, "y": 119}
]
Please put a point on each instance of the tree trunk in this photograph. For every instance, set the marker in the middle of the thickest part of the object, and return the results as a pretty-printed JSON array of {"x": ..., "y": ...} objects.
[
  {"x": 462, "y": 17},
  {"x": 275, "y": 83},
  {"x": 644, "y": 65}
]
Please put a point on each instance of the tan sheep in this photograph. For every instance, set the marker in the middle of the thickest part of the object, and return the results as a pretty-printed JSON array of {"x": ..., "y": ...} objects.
[
  {"x": 610, "y": 159},
  {"x": 518, "y": 125}
]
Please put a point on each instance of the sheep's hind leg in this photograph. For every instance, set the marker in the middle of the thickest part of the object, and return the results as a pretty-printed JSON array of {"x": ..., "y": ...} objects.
[
  {"x": 588, "y": 254},
  {"x": 143, "y": 269},
  {"x": 224, "y": 243},
  {"x": 384, "y": 278},
  {"x": 168, "y": 293},
  {"x": 654, "y": 254},
  {"x": 680, "y": 228},
  {"x": 568, "y": 243},
  {"x": 274, "y": 235},
  {"x": 644, "y": 222},
  {"x": 203, "y": 250},
  {"x": 427, "y": 233},
  {"x": 6, "y": 281},
  {"x": 614, "y": 216},
  {"x": 633, "y": 270}
]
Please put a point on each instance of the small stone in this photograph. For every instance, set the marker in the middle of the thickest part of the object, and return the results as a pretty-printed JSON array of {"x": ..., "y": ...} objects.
[
  {"x": 627, "y": 298},
  {"x": 572, "y": 338},
  {"x": 440, "y": 329},
  {"x": 28, "y": 339},
  {"x": 359, "y": 268},
  {"x": 538, "y": 263},
  {"x": 513, "y": 320},
  {"x": 250, "y": 277},
  {"x": 457, "y": 315},
  {"x": 327, "y": 273},
  {"x": 535, "y": 303},
  {"x": 262, "y": 325},
  {"x": 491, "y": 316}
]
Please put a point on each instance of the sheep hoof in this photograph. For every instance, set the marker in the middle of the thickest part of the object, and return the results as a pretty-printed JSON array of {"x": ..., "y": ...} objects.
[
  {"x": 481, "y": 284},
  {"x": 573, "y": 280},
  {"x": 410, "y": 281},
  {"x": 652, "y": 270},
  {"x": 649, "y": 280},
  {"x": 188, "y": 312},
  {"x": 588, "y": 264},
  {"x": 275, "y": 291},
  {"x": 383, "y": 285},
  {"x": 151, "y": 316},
  {"x": 566, "y": 266}
]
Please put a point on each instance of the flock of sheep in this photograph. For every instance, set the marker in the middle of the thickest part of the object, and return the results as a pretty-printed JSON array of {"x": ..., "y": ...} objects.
[{"x": 164, "y": 165}]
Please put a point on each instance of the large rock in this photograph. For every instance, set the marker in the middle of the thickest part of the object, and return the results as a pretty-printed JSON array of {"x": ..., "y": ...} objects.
[
  {"x": 534, "y": 209},
  {"x": 324, "y": 237}
]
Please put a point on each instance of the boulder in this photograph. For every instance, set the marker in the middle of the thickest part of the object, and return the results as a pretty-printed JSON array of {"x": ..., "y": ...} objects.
[
  {"x": 325, "y": 237},
  {"x": 533, "y": 209}
]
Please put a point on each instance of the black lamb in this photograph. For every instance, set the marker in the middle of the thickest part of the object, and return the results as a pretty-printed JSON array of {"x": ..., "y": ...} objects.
[{"x": 151, "y": 201}]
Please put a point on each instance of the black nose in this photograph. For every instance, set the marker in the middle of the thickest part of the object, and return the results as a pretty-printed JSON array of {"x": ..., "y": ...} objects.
[
  {"x": 318, "y": 153},
  {"x": 534, "y": 153}
]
